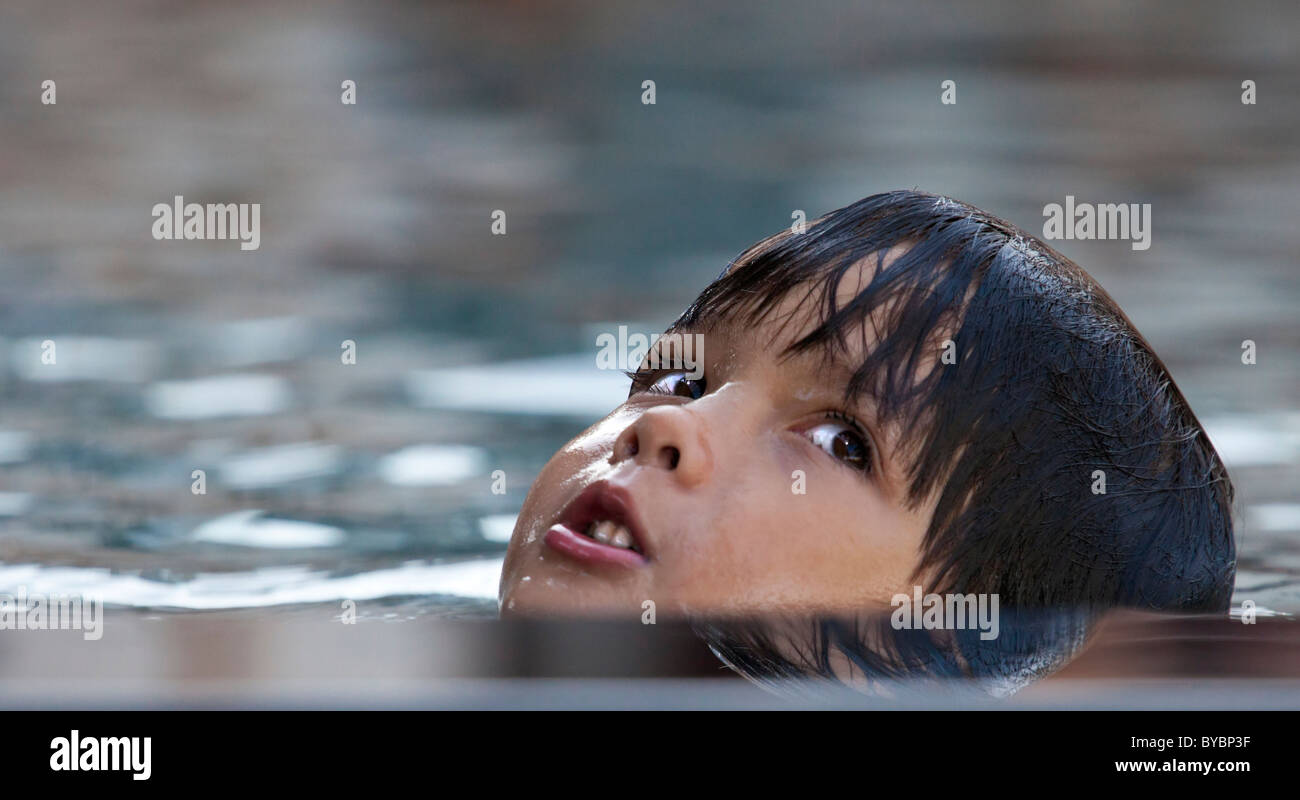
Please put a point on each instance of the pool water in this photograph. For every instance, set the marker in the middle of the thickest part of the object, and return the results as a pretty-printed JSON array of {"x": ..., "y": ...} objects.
[{"x": 376, "y": 481}]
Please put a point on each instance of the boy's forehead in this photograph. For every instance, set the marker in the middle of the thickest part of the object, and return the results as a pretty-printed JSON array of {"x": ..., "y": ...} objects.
[{"x": 803, "y": 309}]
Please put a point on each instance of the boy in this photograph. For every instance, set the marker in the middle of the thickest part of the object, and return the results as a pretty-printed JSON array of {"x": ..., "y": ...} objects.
[{"x": 912, "y": 393}]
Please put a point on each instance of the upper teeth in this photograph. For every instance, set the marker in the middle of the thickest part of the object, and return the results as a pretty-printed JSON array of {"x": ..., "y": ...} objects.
[{"x": 611, "y": 533}]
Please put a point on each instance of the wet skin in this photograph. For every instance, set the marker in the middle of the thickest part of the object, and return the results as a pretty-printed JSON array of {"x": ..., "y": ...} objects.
[{"x": 706, "y": 476}]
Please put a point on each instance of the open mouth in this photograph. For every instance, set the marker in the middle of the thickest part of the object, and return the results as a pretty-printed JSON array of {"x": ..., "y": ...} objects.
[
  {"x": 600, "y": 525},
  {"x": 613, "y": 534}
]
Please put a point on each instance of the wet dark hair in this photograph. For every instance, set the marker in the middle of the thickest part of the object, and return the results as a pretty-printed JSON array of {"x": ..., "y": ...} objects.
[
  {"x": 868, "y": 653},
  {"x": 1051, "y": 383}
]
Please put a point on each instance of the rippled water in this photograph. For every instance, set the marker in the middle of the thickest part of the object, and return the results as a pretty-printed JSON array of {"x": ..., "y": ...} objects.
[{"x": 476, "y": 353}]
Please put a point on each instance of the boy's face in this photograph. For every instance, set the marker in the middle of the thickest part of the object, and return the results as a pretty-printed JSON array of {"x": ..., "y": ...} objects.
[{"x": 753, "y": 490}]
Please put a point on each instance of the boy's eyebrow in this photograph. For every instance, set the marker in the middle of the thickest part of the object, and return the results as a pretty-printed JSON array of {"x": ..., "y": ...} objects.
[
  {"x": 837, "y": 364},
  {"x": 838, "y": 370},
  {"x": 834, "y": 362},
  {"x": 864, "y": 399}
]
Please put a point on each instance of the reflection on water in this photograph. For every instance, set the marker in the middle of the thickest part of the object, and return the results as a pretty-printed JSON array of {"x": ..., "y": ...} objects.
[
  {"x": 218, "y": 396},
  {"x": 324, "y": 480},
  {"x": 296, "y": 658},
  {"x": 464, "y": 585}
]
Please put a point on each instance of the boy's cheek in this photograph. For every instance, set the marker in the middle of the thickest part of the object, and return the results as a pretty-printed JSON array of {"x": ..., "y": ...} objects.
[
  {"x": 784, "y": 553},
  {"x": 573, "y": 466}
]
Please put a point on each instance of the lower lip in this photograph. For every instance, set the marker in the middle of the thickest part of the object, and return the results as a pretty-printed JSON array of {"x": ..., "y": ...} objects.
[{"x": 585, "y": 548}]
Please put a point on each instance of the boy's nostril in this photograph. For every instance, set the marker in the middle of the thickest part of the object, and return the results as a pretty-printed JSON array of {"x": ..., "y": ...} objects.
[{"x": 674, "y": 456}]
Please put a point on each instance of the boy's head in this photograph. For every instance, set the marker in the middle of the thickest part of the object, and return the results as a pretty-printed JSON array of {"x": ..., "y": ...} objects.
[{"x": 910, "y": 393}]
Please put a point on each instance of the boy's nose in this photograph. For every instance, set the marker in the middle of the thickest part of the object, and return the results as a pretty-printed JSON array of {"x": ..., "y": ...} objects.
[{"x": 668, "y": 438}]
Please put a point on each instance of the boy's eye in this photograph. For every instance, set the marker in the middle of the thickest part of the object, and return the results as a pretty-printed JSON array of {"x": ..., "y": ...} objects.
[
  {"x": 674, "y": 383},
  {"x": 842, "y": 441}
]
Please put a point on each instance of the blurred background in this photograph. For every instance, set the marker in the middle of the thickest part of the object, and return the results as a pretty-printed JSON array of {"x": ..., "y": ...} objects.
[{"x": 475, "y": 353}]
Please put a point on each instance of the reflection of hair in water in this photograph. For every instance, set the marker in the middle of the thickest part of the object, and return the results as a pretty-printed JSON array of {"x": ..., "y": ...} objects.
[
  {"x": 1068, "y": 468},
  {"x": 795, "y": 655}
]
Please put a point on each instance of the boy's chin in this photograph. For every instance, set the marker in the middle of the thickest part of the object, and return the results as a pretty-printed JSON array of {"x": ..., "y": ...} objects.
[{"x": 529, "y": 599}]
